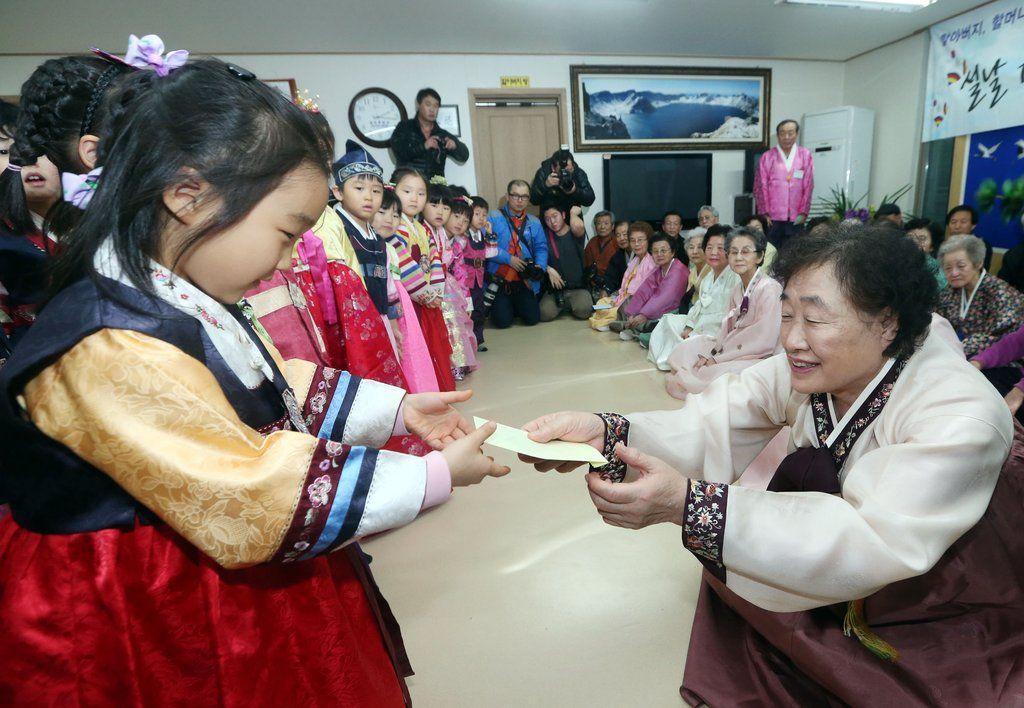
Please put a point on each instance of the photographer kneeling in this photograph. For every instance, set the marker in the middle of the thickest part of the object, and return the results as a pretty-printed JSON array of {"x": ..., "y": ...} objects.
[
  {"x": 559, "y": 180},
  {"x": 516, "y": 272},
  {"x": 565, "y": 287}
]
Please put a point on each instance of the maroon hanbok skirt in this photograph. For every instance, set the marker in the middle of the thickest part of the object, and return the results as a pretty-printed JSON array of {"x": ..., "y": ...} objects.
[{"x": 959, "y": 631}]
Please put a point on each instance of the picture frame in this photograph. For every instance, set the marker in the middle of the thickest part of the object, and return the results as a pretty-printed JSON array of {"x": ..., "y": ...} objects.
[
  {"x": 286, "y": 87},
  {"x": 448, "y": 119},
  {"x": 661, "y": 108}
]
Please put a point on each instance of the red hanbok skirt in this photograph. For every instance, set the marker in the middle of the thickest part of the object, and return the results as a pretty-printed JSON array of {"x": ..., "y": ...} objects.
[
  {"x": 140, "y": 617},
  {"x": 435, "y": 332}
]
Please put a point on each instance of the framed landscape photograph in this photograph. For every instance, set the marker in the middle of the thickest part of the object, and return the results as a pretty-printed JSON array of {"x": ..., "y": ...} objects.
[
  {"x": 654, "y": 108},
  {"x": 448, "y": 119}
]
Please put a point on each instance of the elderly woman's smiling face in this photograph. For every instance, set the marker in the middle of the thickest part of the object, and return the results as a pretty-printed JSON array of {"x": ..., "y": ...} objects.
[{"x": 831, "y": 346}]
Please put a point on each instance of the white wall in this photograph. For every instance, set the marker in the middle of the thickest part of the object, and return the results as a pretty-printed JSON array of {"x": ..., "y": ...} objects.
[
  {"x": 797, "y": 87},
  {"x": 891, "y": 82}
]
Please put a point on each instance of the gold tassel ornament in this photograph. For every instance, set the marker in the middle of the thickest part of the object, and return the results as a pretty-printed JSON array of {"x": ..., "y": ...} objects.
[{"x": 854, "y": 623}]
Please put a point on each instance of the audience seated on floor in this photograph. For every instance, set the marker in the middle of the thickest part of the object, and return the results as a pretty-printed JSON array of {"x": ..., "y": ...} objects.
[
  {"x": 640, "y": 266},
  {"x": 981, "y": 307},
  {"x": 658, "y": 295},
  {"x": 928, "y": 236},
  {"x": 750, "y": 331},
  {"x": 710, "y": 304}
]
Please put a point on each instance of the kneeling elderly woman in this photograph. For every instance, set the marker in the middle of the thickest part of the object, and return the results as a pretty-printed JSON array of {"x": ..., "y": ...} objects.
[{"x": 883, "y": 563}]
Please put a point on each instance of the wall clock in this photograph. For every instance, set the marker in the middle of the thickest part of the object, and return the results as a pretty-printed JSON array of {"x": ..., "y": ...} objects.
[{"x": 373, "y": 115}]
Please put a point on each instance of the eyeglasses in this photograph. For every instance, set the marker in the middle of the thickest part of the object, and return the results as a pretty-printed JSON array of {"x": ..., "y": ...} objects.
[
  {"x": 512, "y": 195},
  {"x": 741, "y": 252}
]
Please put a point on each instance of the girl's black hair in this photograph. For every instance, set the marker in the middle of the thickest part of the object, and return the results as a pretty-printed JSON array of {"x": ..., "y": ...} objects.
[
  {"x": 208, "y": 118},
  {"x": 62, "y": 100},
  {"x": 403, "y": 172},
  {"x": 8, "y": 119},
  {"x": 438, "y": 194},
  {"x": 391, "y": 201},
  {"x": 481, "y": 203},
  {"x": 458, "y": 191},
  {"x": 462, "y": 205}
]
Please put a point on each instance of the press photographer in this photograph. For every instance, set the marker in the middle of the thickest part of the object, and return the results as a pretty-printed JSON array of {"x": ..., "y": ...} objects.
[
  {"x": 560, "y": 181},
  {"x": 421, "y": 143},
  {"x": 565, "y": 288},
  {"x": 516, "y": 272}
]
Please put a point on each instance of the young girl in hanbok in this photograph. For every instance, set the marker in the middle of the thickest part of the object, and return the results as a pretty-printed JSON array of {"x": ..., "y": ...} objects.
[
  {"x": 479, "y": 245},
  {"x": 454, "y": 306},
  {"x": 422, "y": 272},
  {"x": 415, "y": 356},
  {"x": 176, "y": 488},
  {"x": 750, "y": 331}
]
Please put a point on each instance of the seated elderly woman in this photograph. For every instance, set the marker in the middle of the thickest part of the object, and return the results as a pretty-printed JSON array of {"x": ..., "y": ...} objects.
[
  {"x": 659, "y": 294},
  {"x": 609, "y": 309},
  {"x": 618, "y": 263},
  {"x": 759, "y": 222},
  {"x": 882, "y": 564},
  {"x": 928, "y": 236},
  {"x": 750, "y": 331},
  {"x": 980, "y": 306},
  {"x": 1000, "y": 363},
  {"x": 709, "y": 307}
]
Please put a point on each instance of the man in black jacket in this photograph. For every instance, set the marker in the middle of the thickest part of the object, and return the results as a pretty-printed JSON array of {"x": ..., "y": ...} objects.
[
  {"x": 562, "y": 182},
  {"x": 421, "y": 143}
]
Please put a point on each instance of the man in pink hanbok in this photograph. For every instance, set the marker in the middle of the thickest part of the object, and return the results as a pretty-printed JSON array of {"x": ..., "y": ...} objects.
[{"x": 783, "y": 184}]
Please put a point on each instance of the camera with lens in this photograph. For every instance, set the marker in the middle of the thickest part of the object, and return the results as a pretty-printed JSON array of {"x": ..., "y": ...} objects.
[
  {"x": 560, "y": 166},
  {"x": 494, "y": 285},
  {"x": 533, "y": 272}
]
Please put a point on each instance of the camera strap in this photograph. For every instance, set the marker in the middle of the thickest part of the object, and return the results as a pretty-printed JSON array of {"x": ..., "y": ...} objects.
[{"x": 517, "y": 232}]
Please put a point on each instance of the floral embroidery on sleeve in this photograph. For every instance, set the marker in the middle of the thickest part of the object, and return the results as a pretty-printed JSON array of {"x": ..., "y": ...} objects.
[
  {"x": 616, "y": 430},
  {"x": 704, "y": 524}
]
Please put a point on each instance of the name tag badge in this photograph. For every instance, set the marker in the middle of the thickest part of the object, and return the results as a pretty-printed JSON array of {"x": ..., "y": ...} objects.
[{"x": 799, "y": 174}]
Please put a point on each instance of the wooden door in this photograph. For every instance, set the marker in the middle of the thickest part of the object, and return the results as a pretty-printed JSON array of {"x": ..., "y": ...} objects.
[{"x": 512, "y": 134}]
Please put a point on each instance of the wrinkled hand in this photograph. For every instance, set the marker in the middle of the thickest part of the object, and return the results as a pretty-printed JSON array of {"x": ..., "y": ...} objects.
[
  {"x": 635, "y": 321},
  {"x": 1013, "y": 400},
  {"x": 431, "y": 417},
  {"x": 556, "y": 279},
  {"x": 517, "y": 263},
  {"x": 571, "y": 426},
  {"x": 467, "y": 463},
  {"x": 657, "y": 497}
]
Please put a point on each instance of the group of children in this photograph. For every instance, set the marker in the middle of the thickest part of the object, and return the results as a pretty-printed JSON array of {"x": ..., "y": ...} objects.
[{"x": 218, "y": 379}]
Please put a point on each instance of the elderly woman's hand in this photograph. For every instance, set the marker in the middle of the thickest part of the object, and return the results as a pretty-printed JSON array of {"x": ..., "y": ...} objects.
[
  {"x": 1013, "y": 399},
  {"x": 571, "y": 426},
  {"x": 657, "y": 497}
]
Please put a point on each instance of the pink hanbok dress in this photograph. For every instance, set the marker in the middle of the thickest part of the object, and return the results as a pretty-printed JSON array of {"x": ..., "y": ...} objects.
[{"x": 750, "y": 333}]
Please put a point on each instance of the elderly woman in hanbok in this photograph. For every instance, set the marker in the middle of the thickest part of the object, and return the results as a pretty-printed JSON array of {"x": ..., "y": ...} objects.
[
  {"x": 883, "y": 563},
  {"x": 981, "y": 307},
  {"x": 750, "y": 331},
  {"x": 641, "y": 264},
  {"x": 710, "y": 304}
]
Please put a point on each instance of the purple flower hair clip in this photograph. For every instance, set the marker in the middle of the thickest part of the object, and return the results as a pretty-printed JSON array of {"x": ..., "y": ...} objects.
[
  {"x": 148, "y": 53},
  {"x": 78, "y": 189}
]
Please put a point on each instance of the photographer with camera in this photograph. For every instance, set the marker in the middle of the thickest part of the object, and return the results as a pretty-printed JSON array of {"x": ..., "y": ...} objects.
[
  {"x": 565, "y": 289},
  {"x": 559, "y": 180},
  {"x": 516, "y": 271},
  {"x": 421, "y": 143}
]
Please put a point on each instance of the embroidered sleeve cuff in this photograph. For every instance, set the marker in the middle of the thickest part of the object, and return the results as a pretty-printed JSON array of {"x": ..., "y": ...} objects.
[
  {"x": 358, "y": 411},
  {"x": 616, "y": 430},
  {"x": 439, "y": 480},
  {"x": 704, "y": 524},
  {"x": 351, "y": 492}
]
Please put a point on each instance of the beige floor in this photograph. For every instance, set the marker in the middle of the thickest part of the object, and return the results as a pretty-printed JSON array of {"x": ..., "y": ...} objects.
[{"x": 515, "y": 593}]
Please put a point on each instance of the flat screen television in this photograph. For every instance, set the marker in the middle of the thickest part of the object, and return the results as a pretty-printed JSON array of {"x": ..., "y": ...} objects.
[{"x": 646, "y": 186}]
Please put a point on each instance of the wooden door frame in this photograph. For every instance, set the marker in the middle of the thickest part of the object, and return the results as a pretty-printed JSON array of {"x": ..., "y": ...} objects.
[{"x": 499, "y": 94}]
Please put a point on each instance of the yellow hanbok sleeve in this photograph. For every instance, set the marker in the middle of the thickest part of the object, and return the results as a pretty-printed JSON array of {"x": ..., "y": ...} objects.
[{"x": 157, "y": 422}]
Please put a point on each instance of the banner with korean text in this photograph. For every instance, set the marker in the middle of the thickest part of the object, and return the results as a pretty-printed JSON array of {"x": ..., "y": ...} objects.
[{"x": 976, "y": 72}]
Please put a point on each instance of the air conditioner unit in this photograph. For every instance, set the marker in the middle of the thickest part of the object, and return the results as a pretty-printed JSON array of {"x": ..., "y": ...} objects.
[{"x": 840, "y": 140}]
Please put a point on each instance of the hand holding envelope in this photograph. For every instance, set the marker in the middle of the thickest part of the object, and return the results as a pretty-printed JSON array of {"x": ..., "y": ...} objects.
[{"x": 557, "y": 441}]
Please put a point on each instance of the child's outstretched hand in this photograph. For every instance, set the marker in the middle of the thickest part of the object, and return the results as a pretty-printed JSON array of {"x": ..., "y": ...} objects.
[
  {"x": 467, "y": 463},
  {"x": 431, "y": 417}
]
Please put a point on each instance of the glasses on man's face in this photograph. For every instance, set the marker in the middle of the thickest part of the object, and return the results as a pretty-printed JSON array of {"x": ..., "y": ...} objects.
[
  {"x": 741, "y": 251},
  {"x": 513, "y": 195}
]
